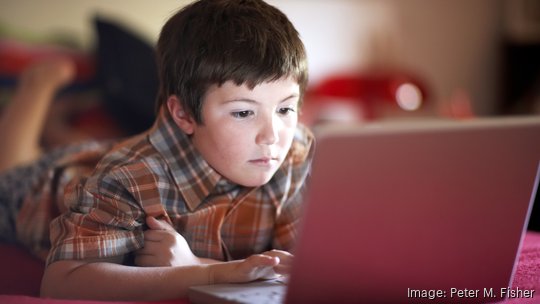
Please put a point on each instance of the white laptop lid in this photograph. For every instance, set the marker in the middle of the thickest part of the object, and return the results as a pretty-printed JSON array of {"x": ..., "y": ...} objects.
[{"x": 401, "y": 208}]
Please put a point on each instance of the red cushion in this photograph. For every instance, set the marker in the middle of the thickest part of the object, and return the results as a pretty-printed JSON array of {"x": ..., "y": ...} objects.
[{"x": 21, "y": 272}]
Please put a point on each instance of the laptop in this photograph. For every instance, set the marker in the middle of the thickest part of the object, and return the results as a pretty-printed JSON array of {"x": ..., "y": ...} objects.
[{"x": 408, "y": 212}]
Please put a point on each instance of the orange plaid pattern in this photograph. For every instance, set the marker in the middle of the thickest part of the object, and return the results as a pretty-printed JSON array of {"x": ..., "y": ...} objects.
[
  {"x": 45, "y": 201},
  {"x": 159, "y": 173}
]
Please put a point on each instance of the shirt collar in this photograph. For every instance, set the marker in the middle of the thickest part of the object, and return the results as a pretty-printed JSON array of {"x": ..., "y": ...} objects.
[{"x": 192, "y": 174}]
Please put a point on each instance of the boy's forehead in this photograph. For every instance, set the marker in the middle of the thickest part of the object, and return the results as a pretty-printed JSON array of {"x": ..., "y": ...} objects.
[{"x": 283, "y": 87}]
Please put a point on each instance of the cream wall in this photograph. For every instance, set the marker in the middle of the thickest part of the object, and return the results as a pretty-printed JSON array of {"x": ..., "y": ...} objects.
[
  {"x": 44, "y": 16},
  {"x": 453, "y": 44}
]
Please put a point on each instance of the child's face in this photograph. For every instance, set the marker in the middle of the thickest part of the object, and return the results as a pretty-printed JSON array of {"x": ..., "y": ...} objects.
[{"x": 246, "y": 134}]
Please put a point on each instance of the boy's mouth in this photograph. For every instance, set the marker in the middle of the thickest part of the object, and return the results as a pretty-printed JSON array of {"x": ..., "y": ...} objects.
[{"x": 264, "y": 161}]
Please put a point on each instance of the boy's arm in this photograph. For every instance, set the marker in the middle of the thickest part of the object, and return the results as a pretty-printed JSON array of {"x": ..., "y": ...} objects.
[
  {"x": 107, "y": 280},
  {"x": 164, "y": 246},
  {"x": 73, "y": 271}
]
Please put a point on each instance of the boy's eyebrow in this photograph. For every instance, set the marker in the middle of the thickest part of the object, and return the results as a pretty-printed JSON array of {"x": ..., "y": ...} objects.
[{"x": 249, "y": 100}]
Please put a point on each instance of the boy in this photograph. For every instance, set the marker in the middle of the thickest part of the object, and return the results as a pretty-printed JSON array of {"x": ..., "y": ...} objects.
[{"x": 218, "y": 177}]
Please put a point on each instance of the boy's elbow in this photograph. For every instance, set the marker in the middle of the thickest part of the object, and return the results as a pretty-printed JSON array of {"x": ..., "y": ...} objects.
[
  {"x": 54, "y": 283},
  {"x": 46, "y": 290},
  {"x": 70, "y": 279},
  {"x": 51, "y": 283}
]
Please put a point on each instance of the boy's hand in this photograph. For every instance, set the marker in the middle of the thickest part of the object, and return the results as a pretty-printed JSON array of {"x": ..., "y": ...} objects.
[
  {"x": 257, "y": 266},
  {"x": 285, "y": 261},
  {"x": 163, "y": 246}
]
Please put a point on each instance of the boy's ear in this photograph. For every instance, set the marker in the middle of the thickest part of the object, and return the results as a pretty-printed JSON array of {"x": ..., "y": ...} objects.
[{"x": 182, "y": 119}]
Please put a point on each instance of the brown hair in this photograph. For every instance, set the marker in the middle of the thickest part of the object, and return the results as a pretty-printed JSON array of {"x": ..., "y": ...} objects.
[{"x": 213, "y": 41}]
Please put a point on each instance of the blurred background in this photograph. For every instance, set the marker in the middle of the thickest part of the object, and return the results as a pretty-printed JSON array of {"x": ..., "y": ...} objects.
[{"x": 369, "y": 59}]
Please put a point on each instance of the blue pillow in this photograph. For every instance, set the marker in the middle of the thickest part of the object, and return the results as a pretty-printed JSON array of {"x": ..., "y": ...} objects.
[{"x": 126, "y": 74}]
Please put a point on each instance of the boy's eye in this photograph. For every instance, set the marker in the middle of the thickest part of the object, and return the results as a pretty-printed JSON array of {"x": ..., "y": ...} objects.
[
  {"x": 286, "y": 110},
  {"x": 242, "y": 114}
]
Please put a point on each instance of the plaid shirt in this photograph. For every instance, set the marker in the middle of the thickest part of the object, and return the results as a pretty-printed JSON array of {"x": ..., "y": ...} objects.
[
  {"x": 159, "y": 173},
  {"x": 42, "y": 199}
]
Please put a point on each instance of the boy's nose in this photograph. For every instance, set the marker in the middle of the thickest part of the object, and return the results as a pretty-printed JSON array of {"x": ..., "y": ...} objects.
[{"x": 268, "y": 132}]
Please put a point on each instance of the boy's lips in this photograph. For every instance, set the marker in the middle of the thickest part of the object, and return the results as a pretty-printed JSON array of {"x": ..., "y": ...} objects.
[{"x": 264, "y": 161}]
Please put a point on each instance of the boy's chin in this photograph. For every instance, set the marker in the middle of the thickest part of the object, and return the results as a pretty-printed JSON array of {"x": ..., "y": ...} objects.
[{"x": 254, "y": 181}]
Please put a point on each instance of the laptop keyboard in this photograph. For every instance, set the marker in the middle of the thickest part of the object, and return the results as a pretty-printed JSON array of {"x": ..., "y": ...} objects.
[
  {"x": 270, "y": 297},
  {"x": 260, "y": 292}
]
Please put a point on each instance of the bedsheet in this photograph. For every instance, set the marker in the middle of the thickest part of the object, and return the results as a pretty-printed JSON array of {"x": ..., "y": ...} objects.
[{"x": 21, "y": 275}]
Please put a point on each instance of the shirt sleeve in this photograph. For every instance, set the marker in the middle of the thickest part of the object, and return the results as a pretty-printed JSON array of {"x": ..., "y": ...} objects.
[{"x": 103, "y": 220}]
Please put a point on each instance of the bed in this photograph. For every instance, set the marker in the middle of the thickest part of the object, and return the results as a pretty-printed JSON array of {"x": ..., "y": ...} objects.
[{"x": 21, "y": 275}]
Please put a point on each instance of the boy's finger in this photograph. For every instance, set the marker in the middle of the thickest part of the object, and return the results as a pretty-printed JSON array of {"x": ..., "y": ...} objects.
[
  {"x": 144, "y": 260},
  {"x": 143, "y": 251},
  {"x": 261, "y": 260},
  {"x": 150, "y": 247},
  {"x": 156, "y": 224},
  {"x": 282, "y": 269},
  {"x": 283, "y": 255},
  {"x": 152, "y": 236}
]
